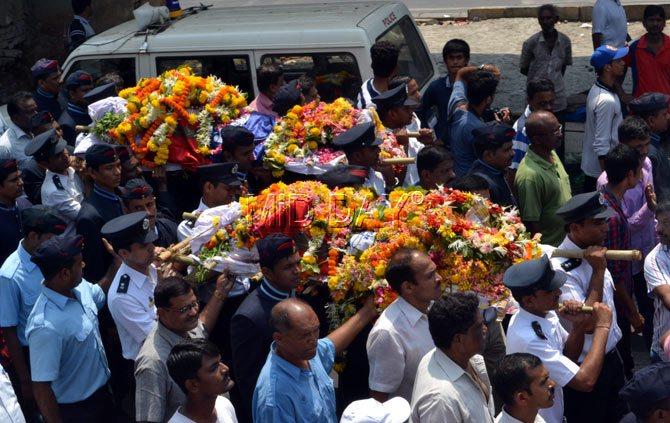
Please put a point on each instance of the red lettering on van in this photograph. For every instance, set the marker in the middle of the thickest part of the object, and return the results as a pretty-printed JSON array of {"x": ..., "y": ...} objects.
[{"x": 389, "y": 19}]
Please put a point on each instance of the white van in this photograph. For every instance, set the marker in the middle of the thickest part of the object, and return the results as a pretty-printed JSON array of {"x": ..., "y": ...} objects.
[{"x": 328, "y": 41}]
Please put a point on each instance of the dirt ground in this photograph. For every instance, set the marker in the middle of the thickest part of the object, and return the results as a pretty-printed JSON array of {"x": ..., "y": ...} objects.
[{"x": 499, "y": 42}]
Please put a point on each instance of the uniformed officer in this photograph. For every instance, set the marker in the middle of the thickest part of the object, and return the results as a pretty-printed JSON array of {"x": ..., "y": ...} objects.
[
  {"x": 33, "y": 173},
  {"x": 396, "y": 111},
  {"x": 535, "y": 329},
  {"x": 101, "y": 206},
  {"x": 130, "y": 298},
  {"x": 11, "y": 188},
  {"x": 67, "y": 358},
  {"x": 237, "y": 145},
  {"x": 589, "y": 281},
  {"x": 137, "y": 196},
  {"x": 648, "y": 394},
  {"x": 62, "y": 189},
  {"x": 20, "y": 285},
  {"x": 361, "y": 146},
  {"x": 220, "y": 185},
  {"x": 46, "y": 75},
  {"x": 130, "y": 166},
  {"x": 78, "y": 83}
]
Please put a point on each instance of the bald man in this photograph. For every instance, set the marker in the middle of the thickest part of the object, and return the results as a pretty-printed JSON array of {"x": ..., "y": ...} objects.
[
  {"x": 541, "y": 183},
  {"x": 294, "y": 385}
]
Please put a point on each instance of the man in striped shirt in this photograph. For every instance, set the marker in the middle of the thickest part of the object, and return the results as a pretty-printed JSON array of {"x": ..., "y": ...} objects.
[
  {"x": 384, "y": 57},
  {"x": 657, "y": 274}
]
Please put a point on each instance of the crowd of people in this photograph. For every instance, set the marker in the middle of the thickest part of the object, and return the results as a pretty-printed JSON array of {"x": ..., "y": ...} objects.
[{"x": 95, "y": 327}]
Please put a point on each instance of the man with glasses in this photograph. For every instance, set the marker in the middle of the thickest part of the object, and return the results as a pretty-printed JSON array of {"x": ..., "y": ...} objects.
[
  {"x": 589, "y": 281},
  {"x": 21, "y": 108},
  {"x": 157, "y": 396},
  {"x": 452, "y": 384},
  {"x": 535, "y": 329},
  {"x": 541, "y": 182}
]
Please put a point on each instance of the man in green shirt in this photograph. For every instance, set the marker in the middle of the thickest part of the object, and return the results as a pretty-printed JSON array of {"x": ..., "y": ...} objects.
[{"x": 541, "y": 182}]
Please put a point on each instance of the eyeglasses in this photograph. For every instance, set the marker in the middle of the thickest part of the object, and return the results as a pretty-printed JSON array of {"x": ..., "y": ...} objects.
[{"x": 186, "y": 308}]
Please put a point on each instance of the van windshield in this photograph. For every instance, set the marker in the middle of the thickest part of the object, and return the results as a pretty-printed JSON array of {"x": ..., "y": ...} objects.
[
  {"x": 335, "y": 74},
  {"x": 414, "y": 60}
]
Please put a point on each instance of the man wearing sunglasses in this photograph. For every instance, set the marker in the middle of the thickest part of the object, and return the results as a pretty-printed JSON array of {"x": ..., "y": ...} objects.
[
  {"x": 157, "y": 396},
  {"x": 535, "y": 329},
  {"x": 589, "y": 281}
]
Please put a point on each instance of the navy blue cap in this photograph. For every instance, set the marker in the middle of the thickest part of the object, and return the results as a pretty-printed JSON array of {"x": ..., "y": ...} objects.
[
  {"x": 128, "y": 229},
  {"x": 287, "y": 96},
  {"x": 136, "y": 189},
  {"x": 648, "y": 386},
  {"x": 273, "y": 248},
  {"x": 44, "y": 67},
  {"x": 649, "y": 102},
  {"x": 7, "y": 166},
  {"x": 590, "y": 205},
  {"x": 123, "y": 151},
  {"x": 58, "y": 249},
  {"x": 534, "y": 274},
  {"x": 494, "y": 132},
  {"x": 344, "y": 176},
  {"x": 396, "y": 97},
  {"x": 233, "y": 136},
  {"x": 604, "y": 55},
  {"x": 101, "y": 154},
  {"x": 43, "y": 219},
  {"x": 41, "y": 118},
  {"x": 77, "y": 79},
  {"x": 220, "y": 172},
  {"x": 45, "y": 145},
  {"x": 100, "y": 93},
  {"x": 359, "y": 136}
]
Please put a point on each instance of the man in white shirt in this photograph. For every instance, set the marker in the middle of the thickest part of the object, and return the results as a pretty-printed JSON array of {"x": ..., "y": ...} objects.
[
  {"x": 657, "y": 274},
  {"x": 524, "y": 385},
  {"x": 361, "y": 146},
  {"x": 10, "y": 410},
  {"x": 400, "y": 337},
  {"x": 195, "y": 365},
  {"x": 220, "y": 185},
  {"x": 451, "y": 381},
  {"x": 21, "y": 108},
  {"x": 535, "y": 329},
  {"x": 603, "y": 112},
  {"x": 130, "y": 298},
  {"x": 610, "y": 26},
  {"x": 62, "y": 188},
  {"x": 384, "y": 57}
]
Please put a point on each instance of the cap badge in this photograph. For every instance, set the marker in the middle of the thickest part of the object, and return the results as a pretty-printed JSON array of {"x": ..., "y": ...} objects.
[{"x": 145, "y": 224}]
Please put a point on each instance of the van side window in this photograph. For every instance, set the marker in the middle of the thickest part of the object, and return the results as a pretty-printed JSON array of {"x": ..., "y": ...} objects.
[
  {"x": 122, "y": 66},
  {"x": 414, "y": 60},
  {"x": 336, "y": 74},
  {"x": 233, "y": 70}
]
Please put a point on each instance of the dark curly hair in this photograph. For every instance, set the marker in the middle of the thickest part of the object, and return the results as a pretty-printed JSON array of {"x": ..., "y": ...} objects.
[
  {"x": 384, "y": 57},
  {"x": 451, "y": 315}
]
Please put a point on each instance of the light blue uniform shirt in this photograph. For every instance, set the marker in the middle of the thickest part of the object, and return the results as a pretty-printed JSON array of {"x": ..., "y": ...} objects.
[
  {"x": 20, "y": 285},
  {"x": 65, "y": 344},
  {"x": 286, "y": 393},
  {"x": 460, "y": 131}
]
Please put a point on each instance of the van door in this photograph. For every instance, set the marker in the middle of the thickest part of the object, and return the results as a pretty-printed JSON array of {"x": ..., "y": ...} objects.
[
  {"x": 234, "y": 68},
  {"x": 335, "y": 73}
]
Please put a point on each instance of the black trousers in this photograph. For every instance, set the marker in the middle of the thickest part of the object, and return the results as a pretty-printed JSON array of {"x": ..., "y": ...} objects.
[
  {"x": 98, "y": 408},
  {"x": 646, "y": 307},
  {"x": 603, "y": 403},
  {"x": 590, "y": 184}
]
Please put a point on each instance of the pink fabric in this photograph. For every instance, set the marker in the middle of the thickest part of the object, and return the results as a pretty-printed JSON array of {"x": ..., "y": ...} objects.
[{"x": 263, "y": 104}]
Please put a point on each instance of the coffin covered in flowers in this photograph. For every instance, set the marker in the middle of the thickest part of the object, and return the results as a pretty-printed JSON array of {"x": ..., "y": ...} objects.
[{"x": 347, "y": 236}]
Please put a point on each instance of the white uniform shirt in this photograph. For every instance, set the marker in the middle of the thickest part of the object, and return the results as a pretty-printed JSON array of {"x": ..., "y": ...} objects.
[
  {"x": 609, "y": 19},
  {"x": 10, "y": 410},
  {"x": 576, "y": 288},
  {"x": 521, "y": 337},
  {"x": 184, "y": 230},
  {"x": 601, "y": 133},
  {"x": 225, "y": 412},
  {"x": 396, "y": 344},
  {"x": 503, "y": 417},
  {"x": 657, "y": 273},
  {"x": 412, "y": 174},
  {"x": 375, "y": 180},
  {"x": 445, "y": 392},
  {"x": 15, "y": 140},
  {"x": 64, "y": 193},
  {"x": 131, "y": 305}
]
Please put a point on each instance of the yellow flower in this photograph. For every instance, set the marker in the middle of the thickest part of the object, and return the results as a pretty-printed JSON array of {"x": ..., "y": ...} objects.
[
  {"x": 291, "y": 149},
  {"x": 277, "y": 173},
  {"x": 192, "y": 118},
  {"x": 309, "y": 259},
  {"x": 315, "y": 132},
  {"x": 170, "y": 120},
  {"x": 313, "y": 145}
]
